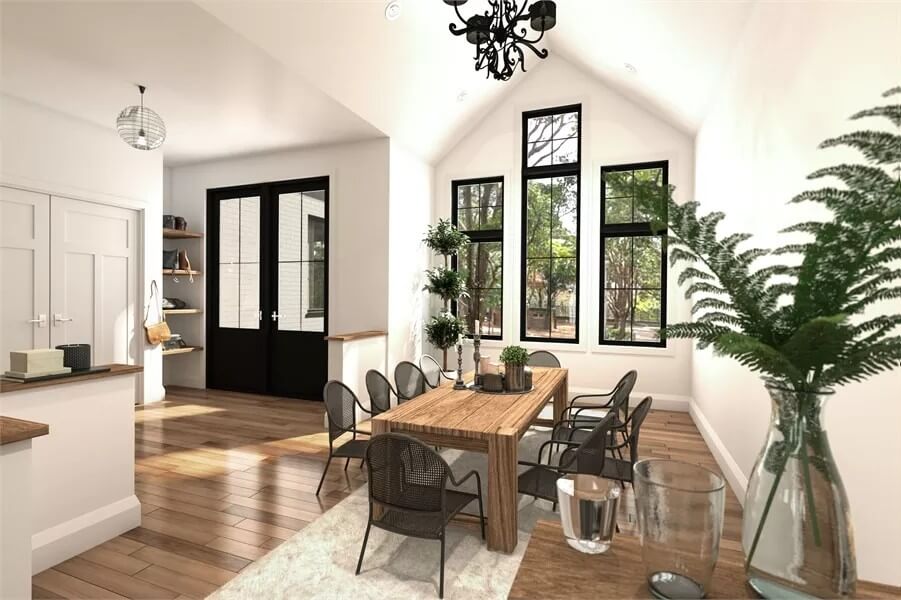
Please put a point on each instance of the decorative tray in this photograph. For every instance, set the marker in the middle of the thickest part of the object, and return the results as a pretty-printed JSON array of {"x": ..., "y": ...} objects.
[
  {"x": 74, "y": 373},
  {"x": 471, "y": 386}
]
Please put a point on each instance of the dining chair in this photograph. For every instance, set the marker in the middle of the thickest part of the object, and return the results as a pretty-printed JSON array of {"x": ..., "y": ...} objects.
[
  {"x": 432, "y": 370},
  {"x": 380, "y": 391},
  {"x": 408, "y": 483},
  {"x": 586, "y": 457},
  {"x": 621, "y": 468},
  {"x": 340, "y": 408},
  {"x": 543, "y": 358},
  {"x": 577, "y": 421},
  {"x": 409, "y": 380}
]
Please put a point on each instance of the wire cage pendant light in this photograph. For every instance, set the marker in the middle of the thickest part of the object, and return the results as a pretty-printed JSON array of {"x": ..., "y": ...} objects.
[
  {"x": 500, "y": 35},
  {"x": 140, "y": 127}
]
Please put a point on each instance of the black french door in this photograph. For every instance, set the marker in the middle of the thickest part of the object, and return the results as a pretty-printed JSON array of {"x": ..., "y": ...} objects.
[{"x": 267, "y": 288}]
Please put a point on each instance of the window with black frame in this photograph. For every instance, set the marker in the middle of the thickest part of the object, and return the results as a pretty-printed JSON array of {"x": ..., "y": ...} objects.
[
  {"x": 633, "y": 256},
  {"x": 551, "y": 159},
  {"x": 478, "y": 211}
]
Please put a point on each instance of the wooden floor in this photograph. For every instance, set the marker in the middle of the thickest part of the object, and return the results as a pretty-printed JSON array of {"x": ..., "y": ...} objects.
[{"x": 223, "y": 478}]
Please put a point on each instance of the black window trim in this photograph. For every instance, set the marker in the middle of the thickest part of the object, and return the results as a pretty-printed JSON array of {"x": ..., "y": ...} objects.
[
  {"x": 490, "y": 235},
  {"x": 543, "y": 172},
  {"x": 610, "y": 230}
]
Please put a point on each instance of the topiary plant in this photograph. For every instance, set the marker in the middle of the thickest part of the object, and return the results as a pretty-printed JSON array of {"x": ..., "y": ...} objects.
[
  {"x": 443, "y": 331},
  {"x": 446, "y": 284},
  {"x": 515, "y": 355},
  {"x": 445, "y": 240}
]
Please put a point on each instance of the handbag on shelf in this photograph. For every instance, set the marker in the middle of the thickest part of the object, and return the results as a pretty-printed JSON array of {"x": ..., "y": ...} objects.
[
  {"x": 159, "y": 331},
  {"x": 170, "y": 259},
  {"x": 184, "y": 264}
]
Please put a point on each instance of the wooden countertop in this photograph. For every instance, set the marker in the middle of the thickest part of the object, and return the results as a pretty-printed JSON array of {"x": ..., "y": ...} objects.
[
  {"x": 15, "y": 430},
  {"x": 7, "y": 386},
  {"x": 550, "y": 569},
  {"x": 357, "y": 335}
]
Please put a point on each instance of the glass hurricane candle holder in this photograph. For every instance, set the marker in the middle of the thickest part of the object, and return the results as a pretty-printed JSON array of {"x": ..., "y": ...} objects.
[
  {"x": 680, "y": 519},
  {"x": 588, "y": 511}
]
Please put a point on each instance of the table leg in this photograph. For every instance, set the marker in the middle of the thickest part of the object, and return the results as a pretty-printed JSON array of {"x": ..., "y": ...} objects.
[
  {"x": 503, "y": 525},
  {"x": 561, "y": 397}
]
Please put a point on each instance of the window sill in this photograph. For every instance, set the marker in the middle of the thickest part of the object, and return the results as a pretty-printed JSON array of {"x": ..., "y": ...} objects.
[{"x": 582, "y": 348}]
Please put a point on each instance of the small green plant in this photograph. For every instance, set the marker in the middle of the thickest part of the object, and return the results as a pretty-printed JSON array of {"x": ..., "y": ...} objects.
[
  {"x": 444, "y": 239},
  {"x": 445, "y": 283},
  {"x": 515, "y": 355},
  {"x": 443, "y": 331}
]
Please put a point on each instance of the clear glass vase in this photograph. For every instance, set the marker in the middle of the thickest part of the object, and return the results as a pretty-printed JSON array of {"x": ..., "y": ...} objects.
[{"x": 796, "y": 531}]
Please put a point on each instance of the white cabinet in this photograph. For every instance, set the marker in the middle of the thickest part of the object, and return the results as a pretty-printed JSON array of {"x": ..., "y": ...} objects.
[{"x": 67, "y": 271}]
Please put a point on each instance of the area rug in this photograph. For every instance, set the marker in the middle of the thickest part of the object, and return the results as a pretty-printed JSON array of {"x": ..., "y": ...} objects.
[{"x": 319, "y": 562}]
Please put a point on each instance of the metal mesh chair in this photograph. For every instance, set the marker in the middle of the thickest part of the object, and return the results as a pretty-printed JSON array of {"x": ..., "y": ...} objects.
[
  {"x": 409, "y": 380},
  {"x": 543, "y": 358},
  {"x": 380, "y": 392},
  {"x": 620, "y": 468},
  {"x": 340, "y": 403},
  {"x": 433, "y": 372},
  {"x": 587, "y": 457},
  {"x": 408, "y": 482},
  {"x": 617, "y": 403}
]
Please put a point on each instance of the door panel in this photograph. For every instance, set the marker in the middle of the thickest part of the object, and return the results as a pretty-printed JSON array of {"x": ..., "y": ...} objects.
[
  {"x": 236, "y": 331},
  {"x": 24, "y": 271},
  {"x": 93, "y": 262}
]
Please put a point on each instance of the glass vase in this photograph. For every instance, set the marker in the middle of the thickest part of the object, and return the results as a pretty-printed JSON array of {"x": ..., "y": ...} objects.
[{"x": 796, "y": 530}]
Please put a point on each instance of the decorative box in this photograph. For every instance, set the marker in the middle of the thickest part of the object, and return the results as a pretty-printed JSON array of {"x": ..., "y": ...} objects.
[
  {"x": 492, "y": 382},
  {"x": 76, "y": 356},
  {"x": 43, "y": 360}
]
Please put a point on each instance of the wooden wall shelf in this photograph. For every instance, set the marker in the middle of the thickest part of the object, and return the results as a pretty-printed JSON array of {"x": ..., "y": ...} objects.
[
  {"x": 180, "y": 234},
  {"x": 182, "y": 311},
  {"x": 184, "y": 350},
  {"x": 183, "y": 272}
]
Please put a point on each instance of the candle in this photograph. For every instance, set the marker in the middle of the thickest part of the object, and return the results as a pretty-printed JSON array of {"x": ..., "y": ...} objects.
[{"x": 478, "y": 325}]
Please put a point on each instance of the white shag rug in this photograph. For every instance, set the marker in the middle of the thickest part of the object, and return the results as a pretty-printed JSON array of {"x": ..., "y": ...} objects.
[{"x": 319, "y": 562}]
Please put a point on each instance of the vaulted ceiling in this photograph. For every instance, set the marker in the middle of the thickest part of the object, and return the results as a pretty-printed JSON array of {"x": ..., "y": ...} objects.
[{"x": 234, "y": 77}]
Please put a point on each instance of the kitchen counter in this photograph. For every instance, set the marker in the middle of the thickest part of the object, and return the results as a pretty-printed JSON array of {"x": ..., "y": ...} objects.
[
  {"x": 16, "y": 430},
  {"x": 7, "y": 385}
]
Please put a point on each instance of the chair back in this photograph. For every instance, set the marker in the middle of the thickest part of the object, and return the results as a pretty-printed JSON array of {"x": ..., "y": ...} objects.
[
  {"x": 543, "y": 358},
  {"x": 619, "y": 403},
  {"x": 405, "y": 474},
  {"x": 410, "y": 381},
  {"x": 380, "y": 392},
  {"x": 633, "y": 426},
  {"x": 340, "y": 408},
  {"x": 431, "y": 369},
  {"x": 589, "y": 456}
]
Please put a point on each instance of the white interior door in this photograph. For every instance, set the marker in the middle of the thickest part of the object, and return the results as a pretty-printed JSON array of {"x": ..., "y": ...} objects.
[
  {"x": 24, "y": 272},
  {"x": 92, "y": 288}
]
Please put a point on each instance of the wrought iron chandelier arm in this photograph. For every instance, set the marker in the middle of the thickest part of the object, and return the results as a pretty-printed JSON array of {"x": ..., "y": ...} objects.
[{"x": 530, "y": 44}]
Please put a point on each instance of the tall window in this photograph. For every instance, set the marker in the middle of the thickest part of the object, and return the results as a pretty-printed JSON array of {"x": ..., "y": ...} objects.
[
  {"x": 551, "y": 158},
  {"x": 633, "y": 258},
  {"x": 478, "y": 211}
]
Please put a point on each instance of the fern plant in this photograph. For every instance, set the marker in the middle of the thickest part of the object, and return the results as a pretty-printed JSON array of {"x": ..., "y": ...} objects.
[{"x": 800, "y": 322}]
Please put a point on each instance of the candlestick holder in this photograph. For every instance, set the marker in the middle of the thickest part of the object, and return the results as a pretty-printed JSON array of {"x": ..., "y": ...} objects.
[
  {"x": 459, "y": 384},
  {"x": 477, "y": 359}
]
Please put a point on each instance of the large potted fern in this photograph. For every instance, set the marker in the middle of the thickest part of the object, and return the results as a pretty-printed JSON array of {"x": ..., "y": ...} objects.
[{"x": 800, "y": 322}]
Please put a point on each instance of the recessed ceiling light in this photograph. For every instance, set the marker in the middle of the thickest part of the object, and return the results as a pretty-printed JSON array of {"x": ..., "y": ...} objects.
[
  {"x": 630, "y": 68},
  {"x": 392, "y": 10}
]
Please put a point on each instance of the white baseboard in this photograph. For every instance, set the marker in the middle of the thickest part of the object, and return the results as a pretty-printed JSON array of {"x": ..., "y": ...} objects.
[
  {"x": 734, "y": 475},
  {"x": 61, "y": 542}
]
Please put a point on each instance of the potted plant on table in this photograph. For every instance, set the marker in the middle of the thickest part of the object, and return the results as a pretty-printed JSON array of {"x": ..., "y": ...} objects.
[
  {"x": 803, "y": 321},
  {"x": 445, "y": 329},
  {"x": 515, "y": 359}
]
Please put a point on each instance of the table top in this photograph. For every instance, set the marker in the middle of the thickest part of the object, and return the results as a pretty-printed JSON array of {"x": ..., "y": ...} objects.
[
  {"x": 475, "y": 415},
  {"x": 551, "y": 569},
  {"x": 16, "y": 430},
  {"x": 7, "y": 386}
]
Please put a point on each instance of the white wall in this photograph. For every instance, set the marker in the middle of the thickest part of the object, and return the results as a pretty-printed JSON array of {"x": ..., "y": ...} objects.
[
  {"x": 47, "y": 151},
  {"x": 800, "y": 71},
  {"x": 409, "y": 215},
  {"x": 358, "y": 231},
  {"x": 615, "y": 131}
]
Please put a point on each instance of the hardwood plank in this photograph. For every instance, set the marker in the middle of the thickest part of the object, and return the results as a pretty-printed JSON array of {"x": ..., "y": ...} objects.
[
  {"x": 188, "y": 550},
  {"x": 177, "y": 530},
  {"x": 238, "y": 548},
  {"x": 124, "y": 563},
  {"x": 186, "y": 566},
  {"x": 181, "y": 584},
  {"x": 282, "y": 533},
  {"x": 113, "y": 580},
  {"x": 39, "y": 593},
  {"x": 68, "y": 586}
]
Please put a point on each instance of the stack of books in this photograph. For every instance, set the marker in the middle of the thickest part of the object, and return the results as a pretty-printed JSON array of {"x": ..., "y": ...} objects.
[{"x": 25, "y": 365}]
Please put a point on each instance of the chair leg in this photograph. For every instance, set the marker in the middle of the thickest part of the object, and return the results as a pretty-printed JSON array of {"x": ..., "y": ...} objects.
[
  {"x": 361, "y": 463},
  {"x": 346, "y": 462},
  {"x": 324, "y": 471},
  {"x": 363, "y": 549},
  {"x": 554, "y": 507},
  {"x": 481, "y": 514},
  {"x": 441, "y": 579}
]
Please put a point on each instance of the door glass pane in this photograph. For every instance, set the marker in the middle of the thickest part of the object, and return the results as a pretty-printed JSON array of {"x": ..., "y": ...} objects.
[
  {"x": 301, "y": 261},
  {"x": 239, "y": 263}
]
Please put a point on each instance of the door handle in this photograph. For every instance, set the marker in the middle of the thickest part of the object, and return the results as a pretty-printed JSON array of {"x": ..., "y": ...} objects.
[
  {"x": 274, "y": 316},
  {"x": 59, "y": 318},
  {"x": 41, "y": 320}
]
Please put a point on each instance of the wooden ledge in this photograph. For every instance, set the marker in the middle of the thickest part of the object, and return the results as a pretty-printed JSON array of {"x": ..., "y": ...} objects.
[
  {"x": 7, "y": 386},
  {"x": 357, "y": 335},
  {"x": 15, "y": 430}
]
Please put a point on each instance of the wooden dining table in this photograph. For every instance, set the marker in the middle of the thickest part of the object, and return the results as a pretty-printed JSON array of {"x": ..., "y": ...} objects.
[{"x": 482, "y": 422}]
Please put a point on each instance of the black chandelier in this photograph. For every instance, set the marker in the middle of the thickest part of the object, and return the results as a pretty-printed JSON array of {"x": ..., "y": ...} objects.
[{"x": 499, "y": 35}]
